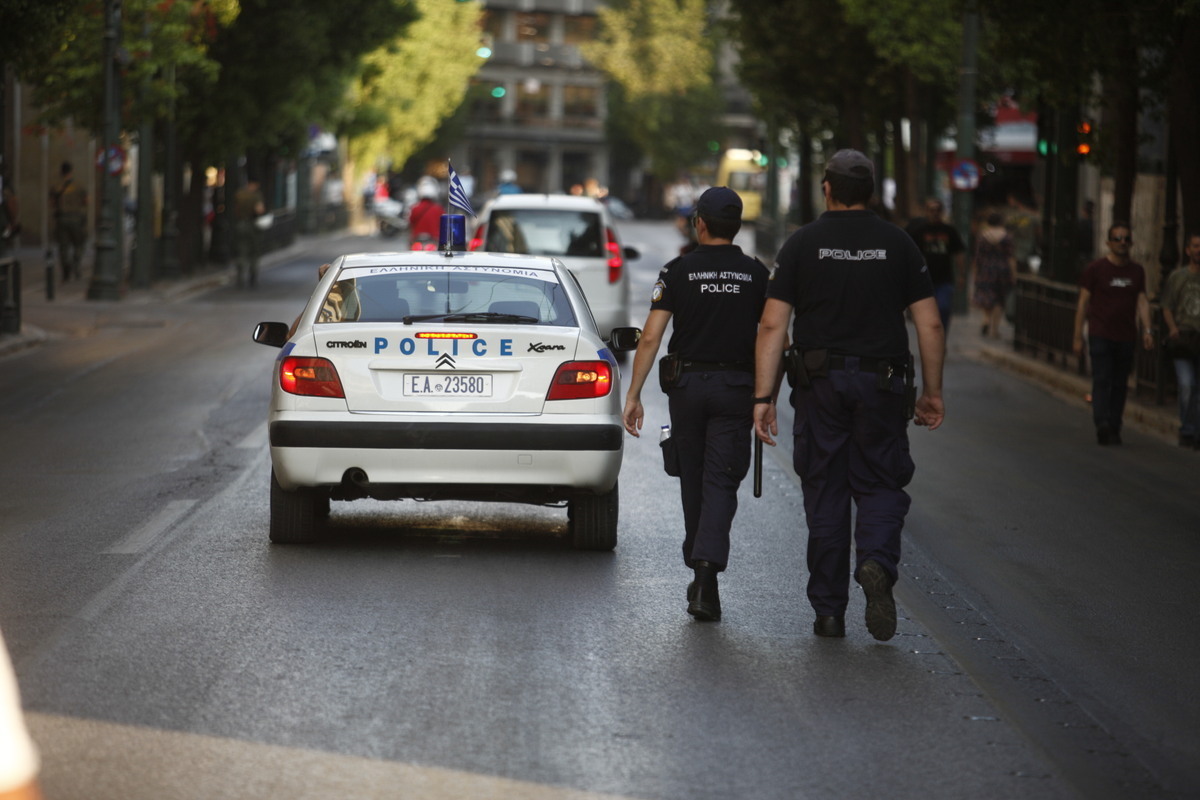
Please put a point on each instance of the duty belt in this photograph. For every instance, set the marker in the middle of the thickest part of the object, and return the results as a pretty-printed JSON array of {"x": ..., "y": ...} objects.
[
  {"x": 867, "y": 364},
  {"x": 718, "y": 366}
]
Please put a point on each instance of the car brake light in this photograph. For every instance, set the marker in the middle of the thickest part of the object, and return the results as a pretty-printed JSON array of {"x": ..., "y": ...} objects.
[
  {"x": 581, "y": 380},
  {"x": 477, "y": 239},
  {"x": 314, "y": 377},
  {"x": 615, "y": 261}
]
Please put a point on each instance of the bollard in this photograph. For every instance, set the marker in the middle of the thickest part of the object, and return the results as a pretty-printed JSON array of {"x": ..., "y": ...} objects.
[
  {"x": 49, "y": 274},
  {"x": 10, "y": 295}
]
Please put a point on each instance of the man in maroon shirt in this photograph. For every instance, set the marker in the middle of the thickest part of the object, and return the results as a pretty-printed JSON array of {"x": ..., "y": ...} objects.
[{"x": 1112, "y": 298}]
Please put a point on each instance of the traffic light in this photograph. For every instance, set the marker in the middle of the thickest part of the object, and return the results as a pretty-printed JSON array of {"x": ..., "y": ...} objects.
[{"x": 1083, "y": 139}]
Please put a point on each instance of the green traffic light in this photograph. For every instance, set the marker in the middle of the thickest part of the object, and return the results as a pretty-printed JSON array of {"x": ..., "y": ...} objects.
[{"x": 499, "y": 92}]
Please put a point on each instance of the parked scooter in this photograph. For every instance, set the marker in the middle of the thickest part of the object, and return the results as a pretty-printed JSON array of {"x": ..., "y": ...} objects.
[{"x": 391, "y": 217}]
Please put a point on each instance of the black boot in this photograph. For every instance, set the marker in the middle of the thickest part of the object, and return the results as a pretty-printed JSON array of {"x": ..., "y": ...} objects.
[{"x": 704, "y": 603}]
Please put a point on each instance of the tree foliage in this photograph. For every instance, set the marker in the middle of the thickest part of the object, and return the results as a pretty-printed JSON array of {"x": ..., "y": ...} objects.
[
  {"x": 660, "y": 56},
  {"x": 159, "y": 38},
  {"x": 411, "y": 84},
  {"x": 31, "y": 29},
  {"x": 285, "y": 67}
]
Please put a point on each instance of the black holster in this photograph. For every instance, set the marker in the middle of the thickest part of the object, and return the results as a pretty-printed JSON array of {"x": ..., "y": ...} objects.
[
  {"x": 910, "y": 389},
  {"x": 670, "y": 368}
]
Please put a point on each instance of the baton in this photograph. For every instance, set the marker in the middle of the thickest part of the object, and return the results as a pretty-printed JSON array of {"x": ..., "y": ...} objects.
[{"x": 757, "y": 465}]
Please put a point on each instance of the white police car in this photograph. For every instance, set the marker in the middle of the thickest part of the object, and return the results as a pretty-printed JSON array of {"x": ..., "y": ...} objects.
[{"x": 446, "y": 375}]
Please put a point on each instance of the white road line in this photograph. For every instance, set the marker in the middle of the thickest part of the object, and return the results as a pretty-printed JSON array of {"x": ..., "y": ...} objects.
[{"x": 144, "y": 536}]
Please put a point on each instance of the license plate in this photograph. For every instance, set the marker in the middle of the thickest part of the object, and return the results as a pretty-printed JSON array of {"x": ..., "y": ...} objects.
[{"x": 442, "y": 385}]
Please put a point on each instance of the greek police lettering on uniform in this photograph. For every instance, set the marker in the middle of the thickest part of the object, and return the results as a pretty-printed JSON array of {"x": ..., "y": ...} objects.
[
  {"x": 714, "y": 294},
  {"x": 850, "y": 276}
]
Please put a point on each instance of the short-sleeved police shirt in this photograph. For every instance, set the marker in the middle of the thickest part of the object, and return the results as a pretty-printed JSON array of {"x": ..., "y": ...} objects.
[
  {"x": 850, "y": 276},
  {"x": 715, "y": 294}
]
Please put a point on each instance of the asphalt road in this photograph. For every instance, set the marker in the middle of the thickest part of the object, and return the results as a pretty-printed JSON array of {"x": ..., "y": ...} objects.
[{"x": 441, "y": 650}]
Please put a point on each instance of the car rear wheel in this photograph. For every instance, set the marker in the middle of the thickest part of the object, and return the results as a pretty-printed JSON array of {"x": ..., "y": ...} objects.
[
  {"x": 296, "y": 516},
  {"x": 593, "y": 521}
]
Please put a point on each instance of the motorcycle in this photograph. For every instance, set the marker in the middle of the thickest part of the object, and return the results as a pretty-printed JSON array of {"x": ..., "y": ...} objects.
[{"x": 390, "y": 215}]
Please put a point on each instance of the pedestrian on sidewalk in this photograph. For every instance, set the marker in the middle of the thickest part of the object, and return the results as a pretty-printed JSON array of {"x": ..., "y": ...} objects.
[
  {"x": 943, "y": 249},
  {"x": 248, "y": 206},
  {"x": 68, "y": 200},
  {"x": 714, "y": 296},
  {"x": 993, "y": 272},
  {"x": 10, "y": 215},
  {"x": 850, "y": 276},
  {"x": 1181, "y": 312},
  {"x": 1112, "y": 300}
]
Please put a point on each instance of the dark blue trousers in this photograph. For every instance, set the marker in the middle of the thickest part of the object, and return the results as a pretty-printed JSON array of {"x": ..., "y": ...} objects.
[
  {"x": 711, "y": 419},
  {"x": 1112, "y": 362},
  {"x": 851, "y": 444}
]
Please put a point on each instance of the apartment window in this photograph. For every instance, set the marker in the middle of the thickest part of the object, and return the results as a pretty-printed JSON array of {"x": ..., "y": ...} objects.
[
  {"x": 493, "y": 24},
  {"x": 533, "y": 100},
  {"x": 577, "y": 30},
  {"x": 533, "y": 28},
  {"x": 580, "y": 104}
]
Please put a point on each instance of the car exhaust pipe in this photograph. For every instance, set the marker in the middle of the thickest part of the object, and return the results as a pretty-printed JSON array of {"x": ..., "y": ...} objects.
[{"x": 356, "y": 477}]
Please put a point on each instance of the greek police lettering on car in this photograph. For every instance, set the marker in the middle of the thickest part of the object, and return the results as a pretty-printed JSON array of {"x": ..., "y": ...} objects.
[
  {"x": 436, "y": 347},
  {"x": 514, "y": 271}
]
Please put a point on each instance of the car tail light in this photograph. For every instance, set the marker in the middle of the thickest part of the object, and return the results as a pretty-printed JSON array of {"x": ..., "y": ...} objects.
[
  {"x": 423, "y": 246},
  {"x": 581, "y": 380},
  {"x": 615, "y": 261},
  {"x": 477, "y": 239},
  {"x": 314, "y": 377}
]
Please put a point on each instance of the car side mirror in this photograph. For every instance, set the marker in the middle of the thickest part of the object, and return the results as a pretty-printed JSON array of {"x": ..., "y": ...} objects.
[
  {"x": 631, "y": 253},
  {"x": 625, "y": 338},
  {"x": 274, "y": 334}
]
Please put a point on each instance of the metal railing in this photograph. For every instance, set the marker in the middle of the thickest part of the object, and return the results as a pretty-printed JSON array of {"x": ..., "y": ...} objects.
[
  {"x": 1044, "y": 327},
  {"x": 10, "y": 295}
]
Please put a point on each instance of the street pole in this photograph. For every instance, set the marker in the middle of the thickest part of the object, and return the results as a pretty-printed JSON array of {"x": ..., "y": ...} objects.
[
  {"x": 143, "y": 253},
  {"x": 961, "y": 207},
  {"x": 107, "y": 275},
  {"x": 171, "y": 174}
]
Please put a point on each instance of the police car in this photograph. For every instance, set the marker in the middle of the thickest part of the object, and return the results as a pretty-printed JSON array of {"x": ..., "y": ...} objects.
[{"x": 446, "y": 375}]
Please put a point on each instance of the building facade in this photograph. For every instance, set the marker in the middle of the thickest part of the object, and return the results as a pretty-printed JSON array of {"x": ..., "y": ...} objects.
[{"x": 536, "y": 107}]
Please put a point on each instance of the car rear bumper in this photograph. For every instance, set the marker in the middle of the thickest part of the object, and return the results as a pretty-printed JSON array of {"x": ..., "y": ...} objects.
[{"x": 566, "y": 456}]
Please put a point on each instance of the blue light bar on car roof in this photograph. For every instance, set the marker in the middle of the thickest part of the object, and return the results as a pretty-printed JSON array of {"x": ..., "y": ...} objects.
[{"x": 452, "y": 234}]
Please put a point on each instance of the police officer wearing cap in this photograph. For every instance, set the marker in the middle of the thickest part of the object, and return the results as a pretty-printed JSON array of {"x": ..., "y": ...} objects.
[
  {"x": 850, "y": 276},
  {"x": 714, "y": 296}
]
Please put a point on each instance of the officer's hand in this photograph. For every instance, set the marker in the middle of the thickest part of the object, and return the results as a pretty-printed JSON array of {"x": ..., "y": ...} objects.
[
  {"x": 765, "y": 425},
  {"x": 633, "y": 416},
  {"x": 930, "y": 412}
]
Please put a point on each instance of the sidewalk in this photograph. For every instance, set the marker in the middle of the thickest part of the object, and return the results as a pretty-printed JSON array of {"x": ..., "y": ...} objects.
[
  {"x": 1141, "y": 412},
  {"x": 72, "y": 315}
]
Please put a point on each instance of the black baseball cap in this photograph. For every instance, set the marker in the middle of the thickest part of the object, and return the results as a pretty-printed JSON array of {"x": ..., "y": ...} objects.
[
  {"x": 720, "y": 202},
  {"x": 851, "y": 164}
]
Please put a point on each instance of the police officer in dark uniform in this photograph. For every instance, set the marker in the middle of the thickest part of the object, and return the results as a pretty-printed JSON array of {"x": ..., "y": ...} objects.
[
  {"x": 714, "y": 295},
  {"x": 850, "y": 276}
]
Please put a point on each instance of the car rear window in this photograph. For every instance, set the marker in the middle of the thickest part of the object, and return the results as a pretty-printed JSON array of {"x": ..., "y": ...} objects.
[
  {"x": 545, "y": 232},
  {"x": 391, "y": 294}
]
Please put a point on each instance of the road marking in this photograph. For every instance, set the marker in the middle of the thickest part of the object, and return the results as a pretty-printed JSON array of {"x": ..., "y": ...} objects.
[{"x": 144, "y": 536}]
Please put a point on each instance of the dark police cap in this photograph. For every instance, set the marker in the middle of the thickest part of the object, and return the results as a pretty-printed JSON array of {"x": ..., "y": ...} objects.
[
  {"x": 720, "y": 202},
  {"x": 851, "y": 164}
]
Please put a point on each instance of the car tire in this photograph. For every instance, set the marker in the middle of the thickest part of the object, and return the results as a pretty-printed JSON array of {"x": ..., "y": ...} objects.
[
  {"x": 593, "y": 520},
  {"x": 295, "y": 516}
]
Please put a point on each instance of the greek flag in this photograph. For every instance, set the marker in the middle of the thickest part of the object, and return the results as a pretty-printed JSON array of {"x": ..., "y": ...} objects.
[{"x": 458, "y": 197}]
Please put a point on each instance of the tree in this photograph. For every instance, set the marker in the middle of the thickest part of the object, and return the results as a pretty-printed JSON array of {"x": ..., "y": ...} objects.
[
  {"x": 409, "y": 85},
  {"x": 659, "y": 53}
]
